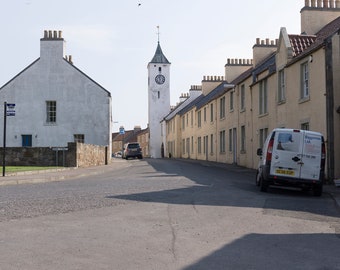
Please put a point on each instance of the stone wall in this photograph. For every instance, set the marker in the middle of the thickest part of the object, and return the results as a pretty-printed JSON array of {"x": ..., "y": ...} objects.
[{"x": 74, "y": 155}]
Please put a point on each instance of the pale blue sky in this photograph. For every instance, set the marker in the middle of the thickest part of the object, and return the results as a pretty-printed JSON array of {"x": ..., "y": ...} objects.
[{"x": 113, "y": 41}]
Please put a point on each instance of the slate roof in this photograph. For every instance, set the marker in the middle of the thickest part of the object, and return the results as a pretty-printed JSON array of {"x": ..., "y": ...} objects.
[
  {"x": 159, "y": 57},
  {"x": 269, "y": 63},
  {"x": 191, "y": 105},
  {"x": 218, "y": 91}
]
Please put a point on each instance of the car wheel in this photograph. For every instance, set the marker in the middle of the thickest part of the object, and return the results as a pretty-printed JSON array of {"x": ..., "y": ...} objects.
[{"x": 317, "y": 190}]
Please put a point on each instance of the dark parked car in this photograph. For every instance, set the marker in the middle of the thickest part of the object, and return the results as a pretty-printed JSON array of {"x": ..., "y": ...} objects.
[{"x": 132, "y": 150}]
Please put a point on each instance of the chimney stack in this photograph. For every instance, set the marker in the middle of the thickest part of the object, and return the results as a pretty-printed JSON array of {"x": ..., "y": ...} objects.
[
  {"x": 262, "y": 49},
  {"x": 235, "y": 67},
  {"x": 317, "y": 13},
  {"x": 52, "y": 46}
]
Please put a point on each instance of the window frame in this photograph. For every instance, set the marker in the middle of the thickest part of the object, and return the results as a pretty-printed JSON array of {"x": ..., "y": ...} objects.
[
  {"x": 243, "y": 98},
  {"x": 281, "y": 91},
  {"x": 222, "y": 141},
  {"x": 263, "y": 97},
  {"x": 243, "y": 139},
  {"x": 222, "y": 107},
  {"x": 305, "y": 85},
  {"x": 51, "y": 112}
]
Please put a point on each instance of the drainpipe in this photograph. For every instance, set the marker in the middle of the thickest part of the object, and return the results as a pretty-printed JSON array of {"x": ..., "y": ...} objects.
[{"x": 329, "y": 107}]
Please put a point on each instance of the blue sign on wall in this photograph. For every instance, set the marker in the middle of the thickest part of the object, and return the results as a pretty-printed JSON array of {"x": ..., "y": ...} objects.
[{"x": 10, "y": 109}]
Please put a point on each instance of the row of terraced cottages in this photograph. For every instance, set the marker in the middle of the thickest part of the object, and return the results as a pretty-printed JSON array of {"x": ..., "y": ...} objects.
[{"x": 291, "y": 82}]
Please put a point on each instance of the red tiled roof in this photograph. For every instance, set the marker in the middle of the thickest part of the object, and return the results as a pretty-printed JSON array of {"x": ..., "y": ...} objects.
[
  {"x": 319, "y": 39},
  {"x": 300, "y": 43}
]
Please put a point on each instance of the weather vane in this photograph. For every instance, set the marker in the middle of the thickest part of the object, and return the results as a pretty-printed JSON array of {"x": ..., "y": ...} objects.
[{"x": 158, "y": 32}]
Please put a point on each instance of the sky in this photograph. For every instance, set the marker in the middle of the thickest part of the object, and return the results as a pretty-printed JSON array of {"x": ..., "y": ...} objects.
[{"x": 113, "y": 41}]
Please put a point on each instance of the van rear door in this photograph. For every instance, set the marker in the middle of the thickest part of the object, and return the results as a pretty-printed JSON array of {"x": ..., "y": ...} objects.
[
  {"x": 311, "y": 156},
  {"x": 287, "y": 153}
]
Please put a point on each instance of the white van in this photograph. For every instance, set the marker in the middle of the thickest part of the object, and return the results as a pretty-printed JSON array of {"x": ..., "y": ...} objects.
[{"x": 292, "y": 157}]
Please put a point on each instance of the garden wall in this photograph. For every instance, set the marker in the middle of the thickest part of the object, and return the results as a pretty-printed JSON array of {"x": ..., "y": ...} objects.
[{"x": 74, "y": 155}]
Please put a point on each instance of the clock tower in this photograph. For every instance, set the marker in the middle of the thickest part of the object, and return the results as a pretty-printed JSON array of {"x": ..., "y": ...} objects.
[{"x": 159, "y": 99}]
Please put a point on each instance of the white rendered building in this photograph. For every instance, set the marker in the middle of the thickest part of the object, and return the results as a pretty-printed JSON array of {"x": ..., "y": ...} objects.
[
  {"x": 159, "y": 99},
  {"x": 55, "y": 102}
]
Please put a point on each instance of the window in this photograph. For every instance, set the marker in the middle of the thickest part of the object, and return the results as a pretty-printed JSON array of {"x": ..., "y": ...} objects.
[
  {"x": 243, "y": 98},
  {"x": 192, "y": 144},
  {"x": 188, "y": 146},
  {"x": 51, "y": 111},
  {"x": 192, "y": 118},
  {"x": 199, "y": 123},
  {"x": 211, "y": 112},
  {"x": 183, "y": 122},
  {"x": 263, "y": 136},
  {"x": 305, "y": 126},
  {"x": 26, "y": 140},
  {"x": 263, "y": 97},
  {"x": 222, "y": 108},
  {"x": 159, "y": 94},
  {"x": 79, "y": 138},
  {"x": 183, "y": 146},
  {"x": 281, "y": 94},
  {"x": 231, "y": 101},
  {"x": 230, "y": 140},
  {"x": 199, "y": 145},
  {"x": 304, "y": 81},
  {"x": 212, "y": 143},
  {"x": 243, "y": 138},
  {"x": 187, "y": 119},
  {"x": 205, "y": 144},
  {"x": 222, "y": 141},
  {"x": 205, "y": 115}
]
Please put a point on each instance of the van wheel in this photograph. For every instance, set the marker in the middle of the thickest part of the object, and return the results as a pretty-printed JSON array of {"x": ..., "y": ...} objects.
[
  {"x": 317, "y": 190},
  {"x": 257, "y": 179},
  {"x": 263, "y": 185}
]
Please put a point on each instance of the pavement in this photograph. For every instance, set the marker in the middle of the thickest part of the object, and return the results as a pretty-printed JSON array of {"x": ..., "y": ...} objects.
[{"x": 44, "y": 176}]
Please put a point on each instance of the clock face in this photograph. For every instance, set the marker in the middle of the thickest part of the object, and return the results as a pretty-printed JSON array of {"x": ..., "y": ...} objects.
[{"x": 160, "y": 79}]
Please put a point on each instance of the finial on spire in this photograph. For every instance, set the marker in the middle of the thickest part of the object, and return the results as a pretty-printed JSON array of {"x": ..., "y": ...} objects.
[{"x": 158, "y": 33}]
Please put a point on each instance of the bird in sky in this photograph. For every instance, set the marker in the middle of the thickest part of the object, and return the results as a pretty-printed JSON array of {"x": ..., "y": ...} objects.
[{"x": 139, "y": 4}]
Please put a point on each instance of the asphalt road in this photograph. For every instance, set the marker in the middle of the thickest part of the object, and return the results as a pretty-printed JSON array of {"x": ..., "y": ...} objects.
[{"x": 166, "y": 214}]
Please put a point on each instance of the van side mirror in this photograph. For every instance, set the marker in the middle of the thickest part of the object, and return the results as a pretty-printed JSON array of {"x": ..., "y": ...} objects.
[{"x": 259, "y": 152}]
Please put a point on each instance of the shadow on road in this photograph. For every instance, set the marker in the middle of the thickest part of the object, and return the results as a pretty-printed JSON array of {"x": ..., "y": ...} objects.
[
  {"x": 274, "y": 251},
  {"x": 227, "y": 185}
]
